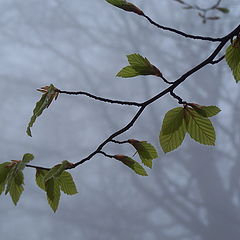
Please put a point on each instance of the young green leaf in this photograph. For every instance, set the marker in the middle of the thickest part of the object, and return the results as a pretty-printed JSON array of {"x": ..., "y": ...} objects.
[
  {"x": 54, "y": 184},
  {"x": 127, "y": 72},
  {"x": 53, "y": 193},
  {"x": 49, "y": 186},
  {"x": 50, "y": 92},
  {"x": 56, "y": 171},
  {"x": 2, "y": 188},
  {"x": 27, "y": 157},
  {"x": 16, "y": 191},
  {"x": 173, "y": 129},
  {"x": 135, "y": 166},
  {"x": 138, "y": 66},
  {"x": 223, "y": 10},
  {"x": 233, "y": 58},
  {"x": 126, "y": 6},
  {"x": 4, "y": 170},
  {"x": 145, "y": 151},
  {"x": 19, "y": 178},
  {"x": 141, "y": 65},
  {"x": 206, "y": 111},
  {"x": 40, "y": 174},
  {"x": 200, "y": 128},
  {"x": 51, "y": 173},
  {"x": 13, "y": 179},
  {"x": 67, "y": 184},
  {"x": 139, "y": 62}
]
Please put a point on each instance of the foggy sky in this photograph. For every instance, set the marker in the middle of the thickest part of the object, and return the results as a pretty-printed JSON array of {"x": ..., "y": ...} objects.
[{"x": 190, "y": 194}]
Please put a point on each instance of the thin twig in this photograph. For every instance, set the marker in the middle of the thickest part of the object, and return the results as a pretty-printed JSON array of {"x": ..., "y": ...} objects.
[
  {"x": 180, "y": 101},
  {"x": 101, "y": 99},
  {"x": 218, "y": 60},
  {"x": 165, "y": 80},
  {"x": 37, "y": 167},
  {"x": 182, "y": 33},
  {"x": 119, "y": 142},
  {"x": 106, "y": 155}
]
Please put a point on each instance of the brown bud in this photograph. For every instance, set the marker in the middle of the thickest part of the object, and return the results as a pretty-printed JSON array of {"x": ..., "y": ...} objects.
[
  {"x": 156, "y": 71},
  {"x": 119, "y": 157},
  {"x": 132, "y": 141},
  {"x": 129, "y": 7}
]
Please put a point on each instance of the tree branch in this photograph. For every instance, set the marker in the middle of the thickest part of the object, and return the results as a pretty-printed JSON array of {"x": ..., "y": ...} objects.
[
  {"x": 180, "y": 101},
  {"x": 143, "y": 105},
  {"x": 218, "y": 60},
  {"x": 106, "y": 155},
  {"x": 119, "y": 142},
  {"x": 182, "y": 33},
  {"x": 101, "y": 99},
  {"x": 37, "y": 167}
]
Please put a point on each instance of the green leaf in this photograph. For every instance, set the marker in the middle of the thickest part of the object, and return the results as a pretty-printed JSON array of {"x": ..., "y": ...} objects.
[
  {"x": 207, "y": 111},
  {"x": 4, "y": 170},
  {"x": 67, "y": 184},
  {"x": 27, "y": 157},
  {"x": 173, "y": 129},
  {"x": 11, "y": 177},
  {"x": 141, "y": 65},
  {"x": 135, "y": 166},
  {"x": 19, "y": 178},
  {"x": 233, "y": 58},
  {"x": 49, "y": 186},
  {"x": 138, "y": 66},
  {"x": 2, "y": 188},
  {"x": 56, "y": 171},
  {"x": 125, "y": 6},
  {"x": 53, "y": 193},
  {"x": 223, "y": 10},
  {"x": 145, "y": 151},
  {"x": 50, "y": 174},
  {"x": 42, "y": 104},
  {"x": 14, "y": 174},
  {"x": 40, "y": 178},
  {"x": 200, "y": 128},
  {"x": 127, "y": 72},
  {"x": 52, "y": 186},
  {"x": 138, "y": 61},
  {"x": 16, "y": 191}
]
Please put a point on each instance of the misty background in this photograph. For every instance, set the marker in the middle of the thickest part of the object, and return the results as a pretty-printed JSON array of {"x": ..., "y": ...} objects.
[{"x": 190, "y": 194}]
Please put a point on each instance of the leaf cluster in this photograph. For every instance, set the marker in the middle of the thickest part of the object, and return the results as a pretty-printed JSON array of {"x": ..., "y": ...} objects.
[
  {"x": 193, "y": 120},
  {"x": 147, "y": 153},
  {"x": 55, "y": 181},
  {"x": 12, "y": 178},
  {"x": 139, "y": 65}
]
